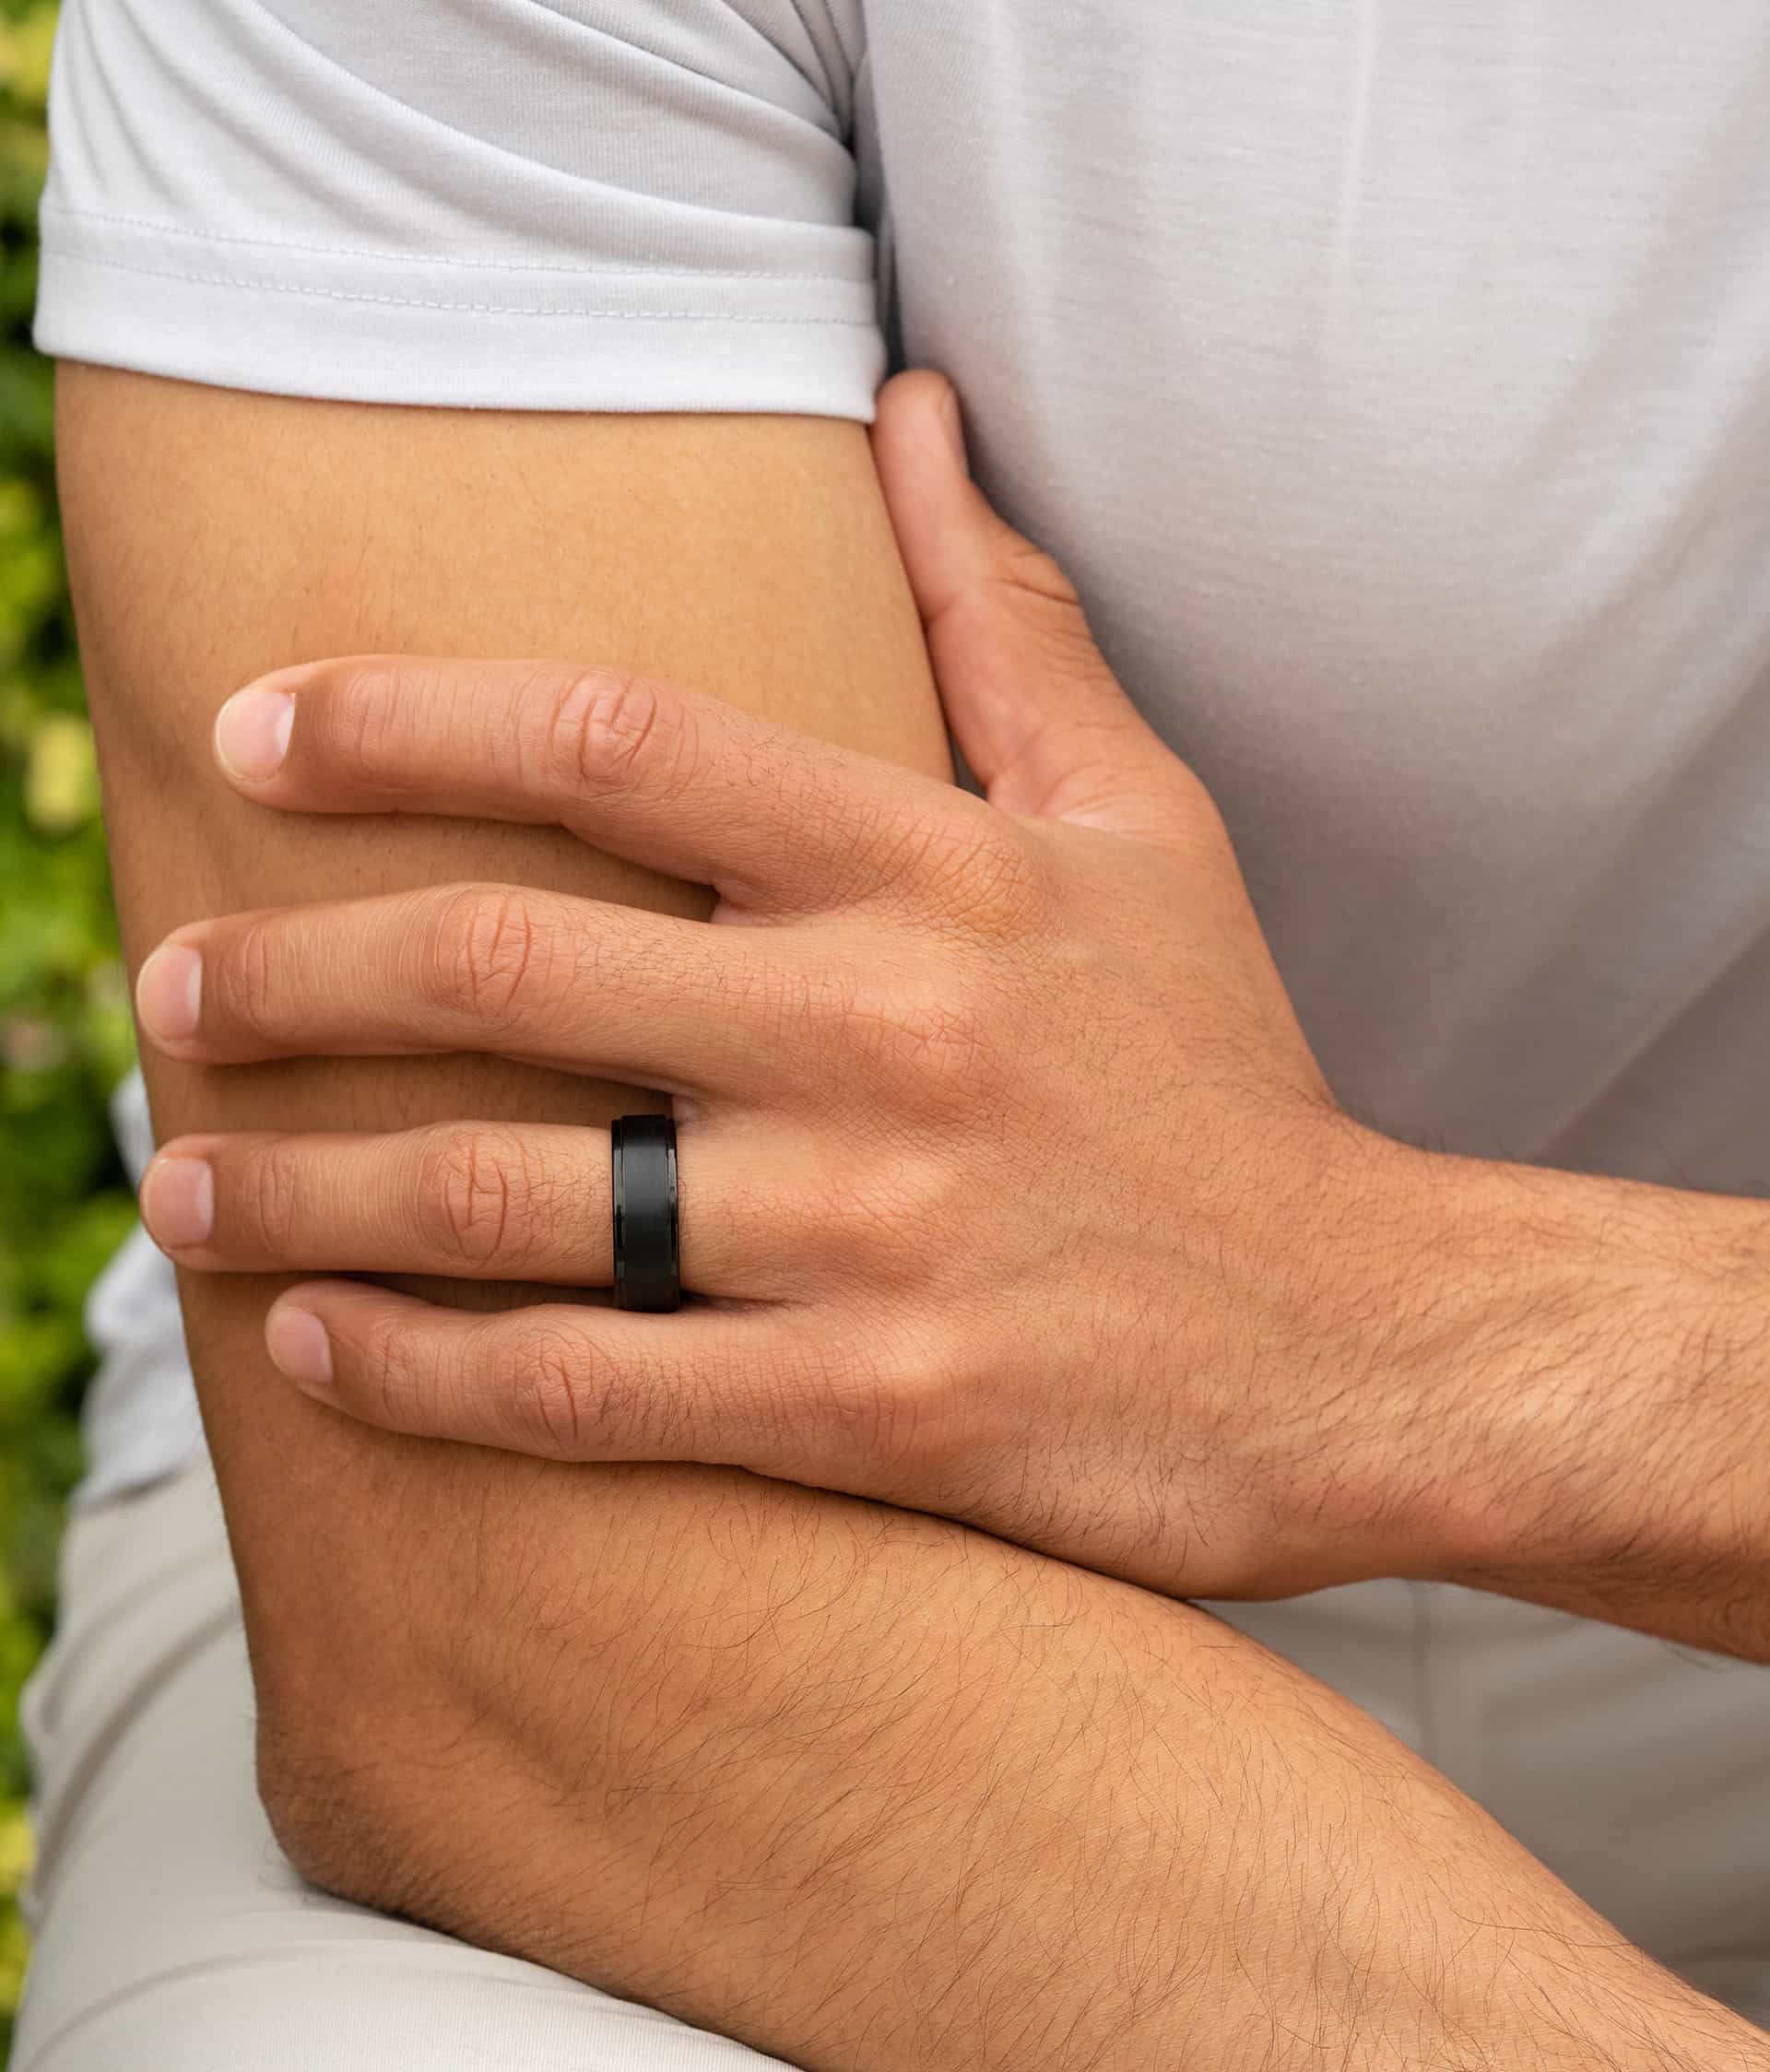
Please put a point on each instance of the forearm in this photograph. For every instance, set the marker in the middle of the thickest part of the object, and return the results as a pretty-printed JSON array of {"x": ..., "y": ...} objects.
[
  {"x": 1592, "y": 1364},
  {"x": 868, "y": 1790}
]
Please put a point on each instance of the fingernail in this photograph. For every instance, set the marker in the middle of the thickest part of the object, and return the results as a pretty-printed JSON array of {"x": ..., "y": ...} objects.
[
  {"x": 300, "y": 1348},
  {"x": 169, "y": 994},
  {"x": 952, "y": 423},
  {"x": 178, "y": 1201},
  {"x": 252, "y": 734}
]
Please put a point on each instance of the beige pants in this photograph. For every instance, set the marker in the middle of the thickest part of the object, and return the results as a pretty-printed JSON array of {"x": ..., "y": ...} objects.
[
  {"x": 173, "y": 1938},
  {"x": 172, "y": 1935}
]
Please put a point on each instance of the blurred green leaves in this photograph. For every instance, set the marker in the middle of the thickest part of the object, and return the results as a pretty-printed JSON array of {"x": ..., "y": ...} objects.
[{"x": 64, "y": 1037}]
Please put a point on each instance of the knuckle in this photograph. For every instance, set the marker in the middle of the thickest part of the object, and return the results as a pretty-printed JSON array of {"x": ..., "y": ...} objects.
[
  {"x": 488, "y": 952},
  {"x": 803, "y": 1008},
  {"x": 934, "y": 1039},
  {"x": 1029, "y": 571},
  {"x": 468, "y": 1192},
  {"x": 266, "y": 1206},
  {"x": 546, "y": 1404},
  {"x": 894, "y": 1402},
  {"x": 387, "y": 1378},
  {"x": 877, "y": 1229},
  {"x": 1000, "y": 878},
  {"x": 1030, "y": 586},
  {"x": 973, "y": 865},
  {"x": 366, "y": 722},
  {"x": 607, "y": 725},
  {"x": 914, "y": 849},
  {"x": 247, "y": 982}
]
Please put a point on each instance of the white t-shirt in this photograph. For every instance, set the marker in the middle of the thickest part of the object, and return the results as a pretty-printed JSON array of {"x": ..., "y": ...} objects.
[{"x": 1394, "y": 380}]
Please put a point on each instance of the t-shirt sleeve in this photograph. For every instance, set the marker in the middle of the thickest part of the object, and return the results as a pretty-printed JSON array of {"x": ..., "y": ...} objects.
[{"x": 577, "y": 204}]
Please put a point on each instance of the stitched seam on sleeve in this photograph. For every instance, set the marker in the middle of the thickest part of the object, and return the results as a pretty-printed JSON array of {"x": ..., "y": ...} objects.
[
  {"x": 59, "y": 210},
  {"x": 478, "y": 309}
]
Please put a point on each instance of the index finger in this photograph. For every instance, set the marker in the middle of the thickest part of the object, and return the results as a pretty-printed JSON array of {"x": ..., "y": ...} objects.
[{"x": 669, "y": 778}]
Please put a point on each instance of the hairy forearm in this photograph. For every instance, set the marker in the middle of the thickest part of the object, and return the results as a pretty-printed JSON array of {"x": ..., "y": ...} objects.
[
  {"x": 869, "y": 1789},
  {"x": 1593, "y": 1394}
]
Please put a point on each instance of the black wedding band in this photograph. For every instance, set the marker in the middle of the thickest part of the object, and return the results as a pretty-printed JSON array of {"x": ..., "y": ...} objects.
[{"x": 647, "y": 1272}]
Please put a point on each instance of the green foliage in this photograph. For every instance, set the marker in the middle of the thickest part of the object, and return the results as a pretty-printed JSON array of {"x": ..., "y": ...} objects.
[{"x": 64, "y": 1037}]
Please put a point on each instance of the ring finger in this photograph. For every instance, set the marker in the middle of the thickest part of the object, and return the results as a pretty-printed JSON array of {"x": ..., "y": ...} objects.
[{"x": 480, "y": 1201}]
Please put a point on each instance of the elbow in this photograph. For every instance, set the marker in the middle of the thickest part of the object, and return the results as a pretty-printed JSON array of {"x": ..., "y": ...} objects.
[
  {"x": 394, "y": 1778},
  {"x": 356, "y": 1768},
  {"x": 424, "y": 1810},
  {"x": 332, "y": 1799}
]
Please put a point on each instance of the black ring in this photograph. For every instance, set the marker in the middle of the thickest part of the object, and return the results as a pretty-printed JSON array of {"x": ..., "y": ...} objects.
[{"x": 647, "y": 1269}]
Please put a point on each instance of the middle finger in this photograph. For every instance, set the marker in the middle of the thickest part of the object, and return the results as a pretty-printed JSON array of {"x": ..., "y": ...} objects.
[{"x": 582, "y": 985}]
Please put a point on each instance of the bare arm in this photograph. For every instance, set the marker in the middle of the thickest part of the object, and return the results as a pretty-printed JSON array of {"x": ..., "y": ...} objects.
[
  {"x": 213, "y": 535},
  {"x": 1597, "y": 1355},
  {"x": 866, "y": 1788}
]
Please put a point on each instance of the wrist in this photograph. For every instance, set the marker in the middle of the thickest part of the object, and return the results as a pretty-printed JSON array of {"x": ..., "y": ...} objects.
[
  {"x": 1404, "y": 1311},
  {"x": 1561, "y": 1346},
  {"x": 1484, "y": 1364}
]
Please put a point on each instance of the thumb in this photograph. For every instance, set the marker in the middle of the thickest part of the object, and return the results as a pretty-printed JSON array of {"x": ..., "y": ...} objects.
[{"x": 1031, "y": 703}]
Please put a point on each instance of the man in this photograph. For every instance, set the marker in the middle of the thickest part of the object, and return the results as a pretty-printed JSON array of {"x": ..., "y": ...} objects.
[{"x": 1307, "y": 348}]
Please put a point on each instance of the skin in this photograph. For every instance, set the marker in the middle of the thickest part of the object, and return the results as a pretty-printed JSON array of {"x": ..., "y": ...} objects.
[
  {"x": 918, "y": 1086},
  {"x": 863, "y": 1787}
]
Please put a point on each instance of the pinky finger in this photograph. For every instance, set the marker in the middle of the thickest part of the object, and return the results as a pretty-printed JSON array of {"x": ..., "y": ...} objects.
[{"x": 561, "y": 1382}]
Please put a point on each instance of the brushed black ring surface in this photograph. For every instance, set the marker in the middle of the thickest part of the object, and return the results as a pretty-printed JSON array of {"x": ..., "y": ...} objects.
[{"x": 647, "y": 1247}]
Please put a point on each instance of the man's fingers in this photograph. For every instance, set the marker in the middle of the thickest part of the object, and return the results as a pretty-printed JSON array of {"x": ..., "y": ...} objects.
[
  {"x": 666, "y": 777},
  {"x": 563, "y": 1382},
  {"x": 478, "y": 1201},
  {"x": 1039, "y": 715},
  {"x": 506, "y": 971}
]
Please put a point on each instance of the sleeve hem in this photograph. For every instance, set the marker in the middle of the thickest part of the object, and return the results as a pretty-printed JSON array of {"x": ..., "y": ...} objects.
[{"x": 448, "y": 332}]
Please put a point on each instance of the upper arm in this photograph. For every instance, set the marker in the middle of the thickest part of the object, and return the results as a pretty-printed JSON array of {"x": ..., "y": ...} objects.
[{"x": 213, "y": 535}]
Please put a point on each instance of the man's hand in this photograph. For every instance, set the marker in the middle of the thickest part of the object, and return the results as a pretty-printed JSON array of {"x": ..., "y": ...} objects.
[
  {"x": 1009, "y": 1177},
  {"x": 1012, "y": 1183}
]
